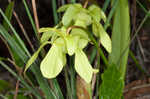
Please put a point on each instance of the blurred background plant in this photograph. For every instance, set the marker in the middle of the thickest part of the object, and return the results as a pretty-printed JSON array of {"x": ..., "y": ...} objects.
[{"x": 19, "y": 39}]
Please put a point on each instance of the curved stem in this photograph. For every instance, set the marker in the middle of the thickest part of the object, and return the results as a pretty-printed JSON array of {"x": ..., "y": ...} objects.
[{"x": 72, "y": 27}]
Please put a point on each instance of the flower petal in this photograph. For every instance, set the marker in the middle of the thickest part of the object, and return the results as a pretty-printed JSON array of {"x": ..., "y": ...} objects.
[
  {"x": 83, "y": 67},
  {"x": 53, "y": 63}
]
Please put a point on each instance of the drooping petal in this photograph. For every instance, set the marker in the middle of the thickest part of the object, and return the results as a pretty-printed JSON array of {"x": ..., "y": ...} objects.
[
  {"x": 83, "y": 67},
  {"x": 53, "y": 62},
  {"x": 35, "y": 55},
  {"x": 105, "y": 40}
]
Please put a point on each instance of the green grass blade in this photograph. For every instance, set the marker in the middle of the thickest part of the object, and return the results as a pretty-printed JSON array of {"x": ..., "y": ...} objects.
[
  {"x": 8, "y": 13},
  {"x": 115, "y": 3},
  {"x": 120, "y": 36},
  {"x": 13, "y": 44},
  {"x": 55, "y": 16},
  {"x": 49, "y": 94},
  {"x": 98, "y": 77},
  {"x": 57, "y": 89},
  {"x": 15, "y": 33},
  {"x": 137, "y": 63},
  {"x": 105, "y": 5},
  {"x": 144, "y": 9},
  {"x": 69, "y": 95},
  {"x": 21, "y": 80},
  {"x": 31, "y": 19}
]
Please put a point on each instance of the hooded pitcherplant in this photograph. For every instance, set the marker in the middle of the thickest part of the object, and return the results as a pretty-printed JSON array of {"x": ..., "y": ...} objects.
[{"x": 71, "y": 38}]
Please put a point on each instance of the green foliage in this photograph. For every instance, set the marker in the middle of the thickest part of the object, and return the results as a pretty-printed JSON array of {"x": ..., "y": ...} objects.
[
  {"x": 99, "y": 31},
  {"x": 2, "y": 59},
  {"x": 19, "y": 96},
  {"x": 8, "y": 14},
  {"x": 21, "y": 80},
  {"x": 120, "y": 36},
  {"x": 4, "y": 86},
  {"x": 112, "y": 84},
  {"x": 79, "y": 27}
]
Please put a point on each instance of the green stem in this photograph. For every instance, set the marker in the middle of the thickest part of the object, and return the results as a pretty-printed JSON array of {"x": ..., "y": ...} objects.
[
  {"x": 69, "y": 94},
  {"x": 98, "y": 48},
  {"x": 72, "y": 74},
  {"x": 93, "y": 55},
  {"x": 98, "y": 78},
  {"x": 73, "y": 82},
  {"x": 137, "y": 63},
  {"x": 55, "y": 16}
]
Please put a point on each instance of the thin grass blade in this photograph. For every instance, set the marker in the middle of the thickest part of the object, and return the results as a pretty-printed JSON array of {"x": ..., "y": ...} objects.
[
  {"x": 31, "y": 19},
  {"x": 42, "y": 82},
  {"x": 15, "y": 33},
  {"x": 55, "y": 16},
  {"x": 21, "y": 80}
]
